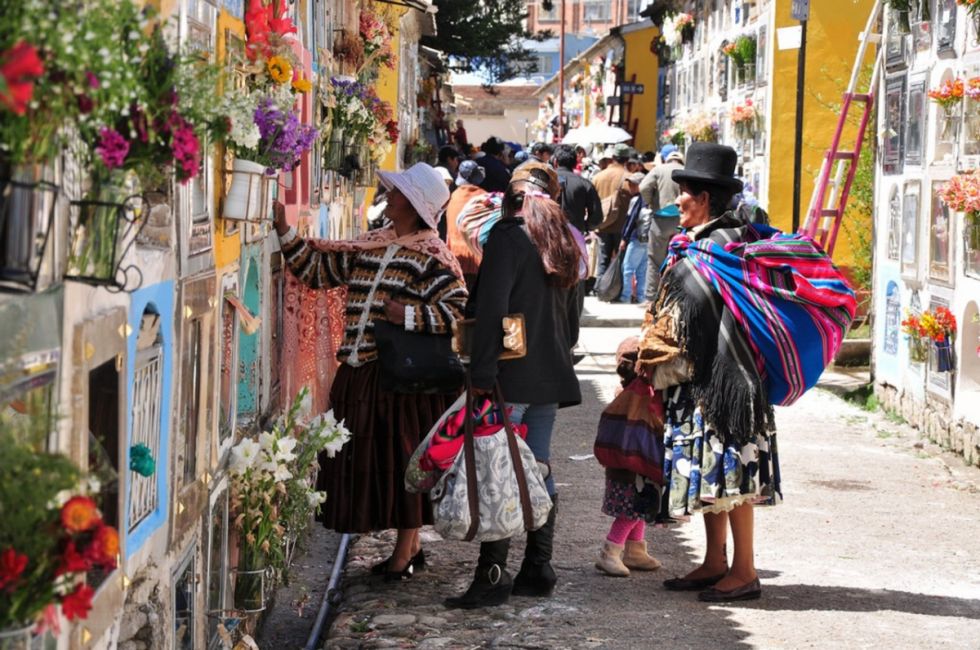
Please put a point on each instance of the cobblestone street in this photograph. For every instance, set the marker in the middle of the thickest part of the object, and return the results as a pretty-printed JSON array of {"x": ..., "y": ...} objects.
[{"x": 874, "y": 546}]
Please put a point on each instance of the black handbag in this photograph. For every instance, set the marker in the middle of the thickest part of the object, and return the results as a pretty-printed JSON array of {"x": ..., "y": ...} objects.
[
  {"x": 417, "y": 362},
  {"x": 610, "y": 285}
]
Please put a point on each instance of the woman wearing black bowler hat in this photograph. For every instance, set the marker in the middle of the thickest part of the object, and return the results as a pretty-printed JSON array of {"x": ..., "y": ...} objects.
[{"x": 720, "y": 444}]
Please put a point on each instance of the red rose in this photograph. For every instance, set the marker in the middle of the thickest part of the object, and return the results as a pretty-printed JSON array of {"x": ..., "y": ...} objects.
[
  {"x": 78, "y": 603},
  {"x": 12, "y": 564}
]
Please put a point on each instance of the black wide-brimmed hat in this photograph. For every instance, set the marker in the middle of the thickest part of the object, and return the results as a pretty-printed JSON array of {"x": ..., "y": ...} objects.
[{"x": 710, "y": 164}]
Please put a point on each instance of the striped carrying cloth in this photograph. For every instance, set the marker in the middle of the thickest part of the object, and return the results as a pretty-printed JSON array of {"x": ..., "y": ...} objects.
[{"x": 785, "y": 295}]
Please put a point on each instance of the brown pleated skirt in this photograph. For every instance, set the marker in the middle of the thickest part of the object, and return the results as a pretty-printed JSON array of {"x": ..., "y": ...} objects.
[{"x": 365, "y": 482}]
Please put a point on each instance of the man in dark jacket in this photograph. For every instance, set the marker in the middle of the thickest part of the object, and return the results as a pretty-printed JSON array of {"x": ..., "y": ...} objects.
[
  {"x": 581, "y": 203},
  {"x": 578, "y": 195},
  {"x": 497, "y": 176}
]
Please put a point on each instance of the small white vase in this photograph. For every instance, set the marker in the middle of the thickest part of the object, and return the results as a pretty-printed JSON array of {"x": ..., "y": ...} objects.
[{"x": 247, "y": 196}]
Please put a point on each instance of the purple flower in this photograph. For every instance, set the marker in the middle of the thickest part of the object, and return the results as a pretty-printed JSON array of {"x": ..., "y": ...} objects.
[
  {"x": 112, "y": 148},
  {"x": 284, "y": 138},
  {"x": 93, "y": 81}
]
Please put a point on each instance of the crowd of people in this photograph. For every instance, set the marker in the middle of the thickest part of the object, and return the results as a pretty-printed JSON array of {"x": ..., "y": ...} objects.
[{"x": 483, "y": 235}]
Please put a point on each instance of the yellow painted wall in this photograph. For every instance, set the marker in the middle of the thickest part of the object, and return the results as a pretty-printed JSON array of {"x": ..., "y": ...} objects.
[
  {"x": 227, "y": 248},
  {"x": 387, "y": 87},
  {"x": 832, "y": 43},
  {"x": 645, "y": 65}
]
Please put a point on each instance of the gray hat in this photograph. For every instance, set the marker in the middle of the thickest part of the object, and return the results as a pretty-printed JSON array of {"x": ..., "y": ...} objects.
[
  {"x": 636, "y": 178},
  {"x": 622, "y": 151},
  {"x": 469, "y": 173}
]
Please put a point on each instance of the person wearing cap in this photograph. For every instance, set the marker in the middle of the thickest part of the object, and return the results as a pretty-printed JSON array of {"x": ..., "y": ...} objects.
[
  {"x": 634, "y": 244},
  {"x": 720, "y": 447},
  {"x": 405, "y": 274},
  {"x": 467, "y": 187},
  {"x": 659, "y": 190},
  {"x": 611, "y": 185},
  {"x": 496, "y": 174},
  {"x": 541, "y": 152},
  {"x": 531, "y": 262}
]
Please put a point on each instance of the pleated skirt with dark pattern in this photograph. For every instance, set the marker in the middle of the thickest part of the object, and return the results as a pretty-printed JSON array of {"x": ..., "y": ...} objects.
[{"x": 365, "y": 481}]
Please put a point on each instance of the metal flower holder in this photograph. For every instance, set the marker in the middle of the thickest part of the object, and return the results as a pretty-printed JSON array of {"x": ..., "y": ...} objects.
[
  {"x": 228, "y": 624},
  {"x": 102, "y": 233},
  {"x": 27, "y": 211},
  {"x": 250, "y": 589}
]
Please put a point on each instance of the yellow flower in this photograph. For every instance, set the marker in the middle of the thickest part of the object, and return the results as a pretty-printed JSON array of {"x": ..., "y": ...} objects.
[
  {"x": 302, "y": 85},
  {"x": 279, "y": 69}
]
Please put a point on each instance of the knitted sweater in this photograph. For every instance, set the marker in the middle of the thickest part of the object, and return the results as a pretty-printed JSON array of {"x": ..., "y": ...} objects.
[{"x": 433, "y": 303}]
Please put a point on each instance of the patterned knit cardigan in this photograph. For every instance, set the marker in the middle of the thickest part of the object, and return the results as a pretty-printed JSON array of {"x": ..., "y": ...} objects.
[{"x": 433, "y": 303}]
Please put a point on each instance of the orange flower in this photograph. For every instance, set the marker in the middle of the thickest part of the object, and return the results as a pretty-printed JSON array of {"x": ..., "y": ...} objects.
[
  {"x": 104, "y": 547},
  {"x": 79, "y": 515},
  {"x": 302, "y": 85}
]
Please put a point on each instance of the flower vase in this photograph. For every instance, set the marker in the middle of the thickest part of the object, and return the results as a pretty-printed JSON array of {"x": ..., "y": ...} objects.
[
  {"x": 903, "y": 22},
  {"x": 918, "y": 352},
  {"x": 247, "y": 195},
  {"x": 942, "y": 359},
  {"x": 971, "y": 118},
  {"x": 335, "y": 151},
  {"x": 949, "y": 125},
  {"x": 21, "y": 638},
  {"x": 100, "y": 227},
  {"x": 250, "y": 587}
]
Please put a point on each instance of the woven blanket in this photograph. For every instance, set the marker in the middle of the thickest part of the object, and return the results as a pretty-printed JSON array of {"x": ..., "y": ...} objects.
[{"x": 790, "y": 305}]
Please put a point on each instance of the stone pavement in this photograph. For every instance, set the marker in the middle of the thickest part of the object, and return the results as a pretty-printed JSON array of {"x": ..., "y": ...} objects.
[{"x": 875, "y": 546}]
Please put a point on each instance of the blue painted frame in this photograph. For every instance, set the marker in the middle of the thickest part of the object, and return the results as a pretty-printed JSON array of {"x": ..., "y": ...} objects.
[{"x": 161, "y": 298}]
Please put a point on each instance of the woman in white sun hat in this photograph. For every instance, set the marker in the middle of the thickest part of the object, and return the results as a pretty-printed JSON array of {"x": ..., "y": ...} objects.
[{"x": 393, "y": 274}]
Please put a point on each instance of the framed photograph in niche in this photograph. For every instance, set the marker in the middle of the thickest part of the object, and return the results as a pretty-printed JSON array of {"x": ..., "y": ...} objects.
[
  {"x": 940, "y": 237},
  {"x": 894, "y": 223},
  {"x": 896, "y": 45},
  {"x": 915, "y": 123},
  {"x": 910, "y": 230},
  {"x": 945, "y": 25},
  {"x": 760, "y": 56},
  {"x": 892, "y": 150}
]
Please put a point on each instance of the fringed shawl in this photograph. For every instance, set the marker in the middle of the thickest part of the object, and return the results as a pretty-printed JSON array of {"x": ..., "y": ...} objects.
[{"x": 759, "y": 314}]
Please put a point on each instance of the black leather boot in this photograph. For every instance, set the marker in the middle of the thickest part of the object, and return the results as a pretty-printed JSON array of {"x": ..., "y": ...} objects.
[
  {"x": 492, "y": 584},
  {"x": 537, "y": 578}
]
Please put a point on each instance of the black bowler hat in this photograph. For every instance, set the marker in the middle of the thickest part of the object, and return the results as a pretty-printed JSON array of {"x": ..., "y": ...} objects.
[{"x": 710, "y": 164}]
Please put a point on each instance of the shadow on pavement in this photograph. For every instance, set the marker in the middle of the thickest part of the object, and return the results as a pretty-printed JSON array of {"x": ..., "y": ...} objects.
[{"x": 847, "y": 599}]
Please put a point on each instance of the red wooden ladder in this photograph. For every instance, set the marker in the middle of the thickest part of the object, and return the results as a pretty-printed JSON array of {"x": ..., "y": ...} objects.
[{"x": 830, "y": 194}]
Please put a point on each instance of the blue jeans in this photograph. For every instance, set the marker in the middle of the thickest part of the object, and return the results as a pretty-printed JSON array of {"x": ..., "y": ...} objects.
[
  {"x": 540, "y": 421},
  {"x": 634, "y": 266}
]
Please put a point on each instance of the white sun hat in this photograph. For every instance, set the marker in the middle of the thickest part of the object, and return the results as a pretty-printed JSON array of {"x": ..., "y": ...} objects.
[{"x": 424, "y": 188}]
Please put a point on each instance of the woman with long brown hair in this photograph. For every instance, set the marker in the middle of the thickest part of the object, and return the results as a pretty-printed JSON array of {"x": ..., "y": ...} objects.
[{"x": 530, "y": 266}]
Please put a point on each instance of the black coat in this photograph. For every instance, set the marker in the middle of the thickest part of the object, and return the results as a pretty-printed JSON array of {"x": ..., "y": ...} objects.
[
  {"x": 497, "y": 175},
  {"x": 580, "y": 200},
  {"x": 512, "y": 280}
]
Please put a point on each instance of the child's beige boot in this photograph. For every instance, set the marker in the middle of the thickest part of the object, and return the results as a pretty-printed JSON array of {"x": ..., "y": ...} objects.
[
  {"x": 636, "y": 557},
  {"x": 611, "y": 560}
]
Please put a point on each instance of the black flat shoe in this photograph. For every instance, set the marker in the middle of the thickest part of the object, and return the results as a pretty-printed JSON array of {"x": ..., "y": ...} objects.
[
  {"x": 417, "y": 562},
  {"x": 692, "y": 584},
  {"x": 398, "y": 576},
  {"x": 748, "y": 591}
]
